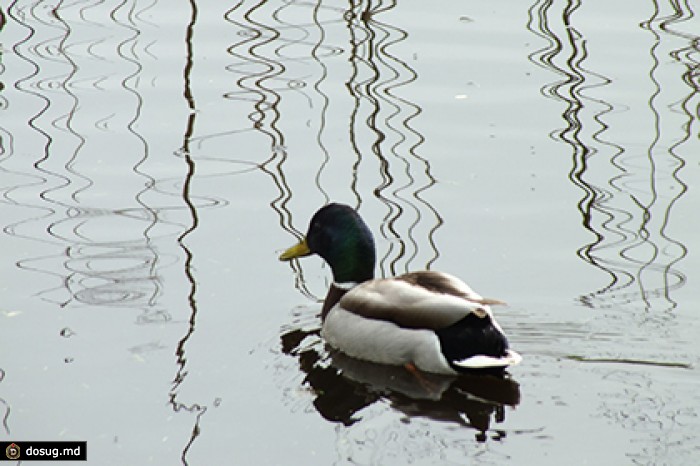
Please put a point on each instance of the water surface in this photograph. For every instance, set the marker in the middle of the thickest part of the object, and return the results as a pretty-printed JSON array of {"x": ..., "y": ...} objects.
[{"x": 156, "y": 157}]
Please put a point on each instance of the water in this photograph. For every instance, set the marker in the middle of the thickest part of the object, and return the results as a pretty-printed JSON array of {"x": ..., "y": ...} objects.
[{"x": 157, "y": 156}]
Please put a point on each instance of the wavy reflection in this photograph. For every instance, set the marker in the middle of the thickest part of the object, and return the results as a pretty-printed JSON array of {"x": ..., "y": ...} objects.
[
  {"x": 343, "y": 387},
  {"x": 80, "y": 163},
  {"x": 266, "y": 67},
  {"x": 185, "y": 153},
  {"x": 628, "y": 196},
  {"x": 100, "y": 269},
  {"x": 375, "y": 86},
  {"x": 665, "y": 150},
  {"x": 629, "y": 161}
]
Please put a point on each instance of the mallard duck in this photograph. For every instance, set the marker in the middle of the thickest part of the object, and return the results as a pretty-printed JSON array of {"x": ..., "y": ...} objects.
[{"x": 430, "y": 321}]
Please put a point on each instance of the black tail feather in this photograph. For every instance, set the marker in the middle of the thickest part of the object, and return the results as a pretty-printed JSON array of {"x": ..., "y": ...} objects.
[{"x": 472, "y": 336}]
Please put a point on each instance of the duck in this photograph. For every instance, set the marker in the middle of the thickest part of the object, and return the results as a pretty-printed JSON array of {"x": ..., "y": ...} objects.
[{"x": 426, "y": 320}]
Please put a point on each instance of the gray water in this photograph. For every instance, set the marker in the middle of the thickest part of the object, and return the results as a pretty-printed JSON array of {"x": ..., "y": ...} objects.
[{"x": 157, "y": 156}]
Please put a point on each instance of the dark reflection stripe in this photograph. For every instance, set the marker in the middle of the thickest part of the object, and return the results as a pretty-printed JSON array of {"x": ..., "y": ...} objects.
[
  {"x": 23, "y": 50},
  {"x": 377, "y": 76},
  {"x": 664, "y": 27},
  {"x": 371, "y": 89},
  {"x": 629, "y": 210},
  {"x": 264, "y": 56},
  {"x": 254, "y": 88},
  {"x": 43, "y": 180},
  {"x": 263, "y": 79},
  {"x": 318, "y": 46},
  {"x": 97, "y": 271},
  {"x": 621, "y": 215},
  {"x": 184, "y": 152}
]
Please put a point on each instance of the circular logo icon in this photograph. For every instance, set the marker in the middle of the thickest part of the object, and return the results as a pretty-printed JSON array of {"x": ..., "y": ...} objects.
[{"x": 12, "y": 451}]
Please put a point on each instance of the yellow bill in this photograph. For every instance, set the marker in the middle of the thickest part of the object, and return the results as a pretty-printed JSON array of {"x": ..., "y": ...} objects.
[{"x": 298, "y": 250}]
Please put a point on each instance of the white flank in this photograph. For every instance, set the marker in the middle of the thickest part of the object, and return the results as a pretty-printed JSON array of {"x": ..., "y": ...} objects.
[{"x": 383, "y": 342}]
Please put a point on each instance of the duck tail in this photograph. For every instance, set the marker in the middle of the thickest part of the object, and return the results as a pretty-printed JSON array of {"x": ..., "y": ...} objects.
[{"x": 476, "y": 343}]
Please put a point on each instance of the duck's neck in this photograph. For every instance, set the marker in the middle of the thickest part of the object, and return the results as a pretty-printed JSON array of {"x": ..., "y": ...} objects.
[
  {"x": 353, "y": 271},
  {"x": 335, "y": 292},
  {"x": 352, "y": 257},
  {"x": 347, "y": 274}
]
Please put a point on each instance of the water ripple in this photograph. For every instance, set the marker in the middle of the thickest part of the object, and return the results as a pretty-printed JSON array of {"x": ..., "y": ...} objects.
[
  {"x": 623, "y": 211},
  {"x": 629, "y": 195},
  {"x": 375, "y": 86},
  {"x": 94, "y": 235}
]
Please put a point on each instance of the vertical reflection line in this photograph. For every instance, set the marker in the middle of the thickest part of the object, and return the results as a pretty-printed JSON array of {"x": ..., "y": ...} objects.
[
  {"x": 350, "y": 17},
  {"x": 66, "y": 87},
  {"x": 15, "y": 13},
  {"x": 268, "y": 105},
  {"x": 266, "y": 100},
  {"x": 376, "y": 77},
  {"x": 25, "y": 84},
  {"x": 644, "y": 232},
  {"x": 135, "y": 77},
  {"x": 372, "y": 94},
  {"x": 186, "y": 196},
  {"x": 406, "y": 111},
  {"x": 392, "y": 79},
  {"x": 572, "y": 133},
  {"x": 568, "y": 90},
  {"x": 677, "y": 163},
  {"x": 33, "y": 121},
  {"x": 368, "y": 89},
  {"x": 324, "y": 108},
  {"x": 6, "y": 416},
  {"x": 133, "y": 14},
  {"x": 32, "y": 84}
]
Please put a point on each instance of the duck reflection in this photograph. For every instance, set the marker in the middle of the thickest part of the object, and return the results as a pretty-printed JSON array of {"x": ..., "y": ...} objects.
[{"x": 343, "y": 386}]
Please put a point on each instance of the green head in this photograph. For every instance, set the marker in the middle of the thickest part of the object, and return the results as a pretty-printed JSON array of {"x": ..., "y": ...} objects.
[{"x": 342, "y": 239}]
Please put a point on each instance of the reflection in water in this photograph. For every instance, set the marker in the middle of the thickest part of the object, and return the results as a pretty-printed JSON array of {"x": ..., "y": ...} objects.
[
  {"x": 628, "y": 195},
  {"x": 375, "y": 83},
  {"x": 100, "y": 269},
  {"x": 6, "y": 409},
  {"x": 344, "y": 386},
  {"x": 664, "y": 155},
  {"x": 630, "y": 192},
  {"x": 103, "y": 213},
  {"x": 185, "y": 153},
  {"x": 95, "y": 214},
  {"x": 262, "y": 77}
]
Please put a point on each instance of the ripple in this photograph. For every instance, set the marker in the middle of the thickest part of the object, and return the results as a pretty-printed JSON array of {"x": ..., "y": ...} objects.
[
  {"x": 628, "y": 205},
  {"x": 296, "y": 84},
  {"x": 624, "y": 247}
]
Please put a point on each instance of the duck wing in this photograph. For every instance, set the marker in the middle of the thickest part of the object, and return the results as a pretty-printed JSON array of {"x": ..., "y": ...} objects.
[{"x": 428, "y": 300}]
